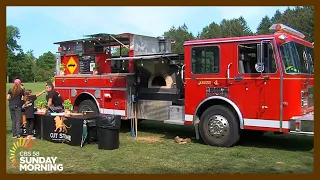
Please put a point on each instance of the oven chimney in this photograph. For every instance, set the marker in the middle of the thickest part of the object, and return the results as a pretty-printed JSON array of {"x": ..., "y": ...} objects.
[{"x": 162, "y": 44}]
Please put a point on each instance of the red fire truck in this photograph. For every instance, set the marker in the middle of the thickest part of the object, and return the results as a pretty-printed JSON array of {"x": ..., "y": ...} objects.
[{"x": 222, "y": 86}]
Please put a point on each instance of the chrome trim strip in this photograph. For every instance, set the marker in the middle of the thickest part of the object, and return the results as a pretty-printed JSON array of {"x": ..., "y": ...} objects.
[
  {"x": 302, "y": 133},
  {"x": 113, "y": 111},
  {"x": 266, "y": 123}
]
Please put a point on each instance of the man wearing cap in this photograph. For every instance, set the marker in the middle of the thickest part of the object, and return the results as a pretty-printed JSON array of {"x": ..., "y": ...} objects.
[{"x": 54, "y": 99}]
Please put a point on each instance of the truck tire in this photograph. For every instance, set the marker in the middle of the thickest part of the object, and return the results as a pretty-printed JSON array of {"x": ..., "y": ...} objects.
[
  {"x": 224, "y": 126},
  {"x": 88, "y": 105}
]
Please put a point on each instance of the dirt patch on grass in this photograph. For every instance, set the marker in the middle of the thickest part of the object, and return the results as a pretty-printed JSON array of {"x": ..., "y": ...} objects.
[{"x": 149, "y": 139}]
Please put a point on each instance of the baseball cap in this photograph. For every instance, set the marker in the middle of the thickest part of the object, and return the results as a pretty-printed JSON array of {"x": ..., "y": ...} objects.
[{"x": 17, "y": 81}]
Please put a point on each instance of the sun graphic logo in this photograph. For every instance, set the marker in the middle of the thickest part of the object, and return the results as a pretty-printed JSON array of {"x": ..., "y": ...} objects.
[
  {"x": 26, "y": 160},
  {"x": 25, "y": 143}
]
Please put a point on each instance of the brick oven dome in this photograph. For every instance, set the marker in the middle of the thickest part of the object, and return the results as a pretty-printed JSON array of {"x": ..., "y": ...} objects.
[{"x": 160, "y": 81}]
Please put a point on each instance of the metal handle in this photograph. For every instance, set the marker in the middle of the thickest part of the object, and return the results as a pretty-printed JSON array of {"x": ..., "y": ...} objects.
[
  {"x": 306, "y": 59},
  {"x": 182, "y": 72},
  {"x": 228, "y": 72}
]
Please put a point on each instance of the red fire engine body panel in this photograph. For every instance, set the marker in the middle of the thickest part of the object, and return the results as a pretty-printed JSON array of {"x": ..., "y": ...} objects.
[
  {"x": 92, "y": 81},
  {"x": 104, "y": 66},
  {"x": 112, "y": 97},
  {"x": 257, "y": 100}
]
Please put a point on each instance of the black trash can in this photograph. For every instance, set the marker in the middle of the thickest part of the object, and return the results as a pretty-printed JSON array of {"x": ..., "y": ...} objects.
[
  {"x": 108, "y": 131},
  {"x": 92, "y": 132}
]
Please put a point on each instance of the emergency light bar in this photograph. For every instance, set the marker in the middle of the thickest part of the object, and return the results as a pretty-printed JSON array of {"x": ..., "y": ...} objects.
[{"x": 278, "y": 28}]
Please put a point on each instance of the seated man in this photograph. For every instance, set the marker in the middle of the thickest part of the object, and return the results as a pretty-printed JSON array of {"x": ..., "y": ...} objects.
[{"x": 53, "y": 98}]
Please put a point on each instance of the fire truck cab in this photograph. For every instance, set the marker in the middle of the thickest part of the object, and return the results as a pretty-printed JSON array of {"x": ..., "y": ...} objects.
[{"x": 222, "y": 86}]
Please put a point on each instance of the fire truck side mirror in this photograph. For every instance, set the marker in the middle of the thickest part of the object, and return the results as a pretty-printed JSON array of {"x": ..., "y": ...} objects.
[{"x": 259, "y": 67}]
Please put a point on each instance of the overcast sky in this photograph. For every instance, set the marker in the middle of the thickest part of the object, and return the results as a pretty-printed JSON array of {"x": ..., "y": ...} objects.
[{"x": 40, "y": 26}]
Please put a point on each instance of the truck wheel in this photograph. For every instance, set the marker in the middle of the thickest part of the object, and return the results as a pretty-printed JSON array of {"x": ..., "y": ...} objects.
[
  {"x": 88, "y": 105},
  {"x": 219, "y": 127}
]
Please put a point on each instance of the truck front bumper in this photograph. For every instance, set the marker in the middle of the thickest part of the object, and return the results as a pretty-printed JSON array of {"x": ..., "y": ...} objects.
[{"x": 302, "y": 124}]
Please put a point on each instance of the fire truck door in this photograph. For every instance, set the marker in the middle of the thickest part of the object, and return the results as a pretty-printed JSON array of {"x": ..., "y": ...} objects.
[
  {"x": 256, "y": 94},
  {"x": 206, "y": 70}
]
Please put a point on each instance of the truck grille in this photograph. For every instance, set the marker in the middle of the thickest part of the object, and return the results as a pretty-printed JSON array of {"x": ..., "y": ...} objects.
[{"x": 310, "y": 96}]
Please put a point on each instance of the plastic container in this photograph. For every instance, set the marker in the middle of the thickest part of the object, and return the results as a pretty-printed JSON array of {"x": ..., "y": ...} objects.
[{"x": 108, "y": 131}]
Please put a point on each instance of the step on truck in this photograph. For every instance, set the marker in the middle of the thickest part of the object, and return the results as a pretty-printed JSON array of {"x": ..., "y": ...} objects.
[{"x": 223, "y": 86}]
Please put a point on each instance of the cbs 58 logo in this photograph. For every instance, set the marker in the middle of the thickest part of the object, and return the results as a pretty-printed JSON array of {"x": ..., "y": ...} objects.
[{"x": 29, "y": 153}]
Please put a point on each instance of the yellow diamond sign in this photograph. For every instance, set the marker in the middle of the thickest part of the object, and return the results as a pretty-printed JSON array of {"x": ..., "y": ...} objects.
[{"x": 71, "y": 65}]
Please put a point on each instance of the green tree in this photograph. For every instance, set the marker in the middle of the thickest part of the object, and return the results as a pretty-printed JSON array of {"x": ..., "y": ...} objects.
[
  {"x": 45, "y": 66},
  {"x": 29, "y": 66},
  {"x": 42, "y": 75},
  {"x": 179, "y": 35},
  {"x": 46, "y": 61},
  {"x": 211, "y": 31},
  {"x": 12, "y": 36},
  {"x": 276, "y": 17},
  {"x": 300, "y": 18},
  {"x": 235, "y": 28},
  {"x": 15, "y": 66},
  {"x": 124, "y": 52},
  {"x": 243, "y": 25},
  {"x": 264, "y": 26}
]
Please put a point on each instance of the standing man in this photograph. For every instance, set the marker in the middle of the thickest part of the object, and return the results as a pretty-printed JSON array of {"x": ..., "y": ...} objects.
[{"x": 54, "y": 99}]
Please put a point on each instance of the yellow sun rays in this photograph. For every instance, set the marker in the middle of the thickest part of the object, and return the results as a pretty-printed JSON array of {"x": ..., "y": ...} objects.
[{"x": 25, "y": 143}]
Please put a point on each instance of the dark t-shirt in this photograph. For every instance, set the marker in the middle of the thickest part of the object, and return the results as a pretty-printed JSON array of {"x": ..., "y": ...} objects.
[
  {"x": 56, "y": 98},
  {"x": 16, "y": 101},
  {"x": 29, "y": 110}
]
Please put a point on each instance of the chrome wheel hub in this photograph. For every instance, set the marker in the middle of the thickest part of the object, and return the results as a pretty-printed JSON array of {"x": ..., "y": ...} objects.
[{"x": 218, "y": 126}]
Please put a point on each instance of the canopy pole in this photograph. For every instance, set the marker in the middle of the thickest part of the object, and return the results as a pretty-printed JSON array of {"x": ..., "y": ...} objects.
[
  {"x": 118, "y": 41},
  {"x": 136, "y": 120}
]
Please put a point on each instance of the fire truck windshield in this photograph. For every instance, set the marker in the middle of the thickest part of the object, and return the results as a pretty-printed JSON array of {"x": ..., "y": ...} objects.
[{"x": 297, "y": 58}]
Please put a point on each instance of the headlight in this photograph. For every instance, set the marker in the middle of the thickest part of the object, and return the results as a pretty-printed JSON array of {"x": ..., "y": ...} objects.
[{"x": 304, "y": 101}]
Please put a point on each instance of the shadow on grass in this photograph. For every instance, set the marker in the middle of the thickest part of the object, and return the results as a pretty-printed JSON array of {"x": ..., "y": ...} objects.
[
  {"x": 282, "y": 142},
  {"x": 269, "y": 140},
  {"x": 227, "y": 169}
]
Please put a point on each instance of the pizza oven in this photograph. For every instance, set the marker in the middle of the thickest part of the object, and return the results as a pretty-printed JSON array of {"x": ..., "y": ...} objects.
[{"x": 160, "y": 81}]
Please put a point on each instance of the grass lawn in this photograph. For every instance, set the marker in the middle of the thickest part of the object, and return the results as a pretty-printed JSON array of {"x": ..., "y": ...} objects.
[{"x": 267, "y": 154}]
